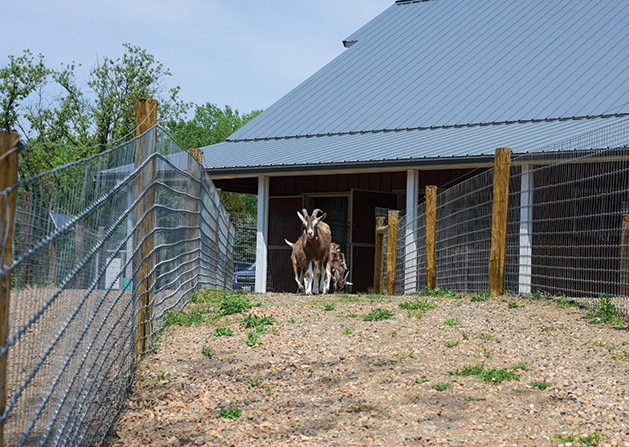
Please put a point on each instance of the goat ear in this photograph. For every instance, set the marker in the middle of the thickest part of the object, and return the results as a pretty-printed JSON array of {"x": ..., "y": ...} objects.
[{"x": 302, "y": 218}]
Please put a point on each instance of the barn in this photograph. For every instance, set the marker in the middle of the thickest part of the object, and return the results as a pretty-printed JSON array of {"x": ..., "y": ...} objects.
[{"x": 421, "y": 95}]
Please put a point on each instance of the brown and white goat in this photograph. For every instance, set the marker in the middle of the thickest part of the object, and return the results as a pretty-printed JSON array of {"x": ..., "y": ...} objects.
[
  {"x": 338, "y": 268},
  {"x": 315, "y": 243}
]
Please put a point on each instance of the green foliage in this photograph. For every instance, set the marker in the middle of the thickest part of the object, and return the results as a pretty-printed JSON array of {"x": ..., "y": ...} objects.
[
  {"x": 252, "y": 338},
  {"x": 208, "y": 351},
  {"x": 467, "y": 371},
  {"x": 234, "y": 305},
  {"x": 494, "y": 376},
  {"x": 480, "y": 296},
  {"x": 592, "y": 440},
  {"x": 565, "y": 302},
  {"x": 188, "y": 319},
  {"x": 606, "y": 313},
  {"x": 378, "y": 314},
  {"x": 223, "y": 332},
  {"x": 451, "y": 322},
  {"x": 452, "y": 344},
  {"x": 540, "y": 385},
  {"x": 417, "y": 304},
  {"x": 329, "y": 307},
  {"x": 442, "y": 386},
  {"x": 401, "y": 355},
  {"x": 230, "y": 413},
  {"x": 437, "y": 292},
  {"x": 514, "y": 305},
  {"x": 257, "y": 322}
]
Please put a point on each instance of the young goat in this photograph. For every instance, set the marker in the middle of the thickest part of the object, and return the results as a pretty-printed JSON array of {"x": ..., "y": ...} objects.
[
  {"x": 338, "y": 268},
  {"x": 311, "y": 253}
]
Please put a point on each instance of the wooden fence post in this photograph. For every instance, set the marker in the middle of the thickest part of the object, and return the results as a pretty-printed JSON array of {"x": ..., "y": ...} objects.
[
  {"x": 378, "y": 266},
  {"x": 499, "y": 221},
  {"x": 431, "y": 229},
  {"x": 145, "y": 118},
  {"x": 8, "y": 178},
  {"x": 392, "y": 251},
  {"x": 195, "y": 169}
]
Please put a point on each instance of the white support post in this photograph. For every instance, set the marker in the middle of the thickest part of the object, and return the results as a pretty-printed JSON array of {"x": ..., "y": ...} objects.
[
  {"x": 410, "y": 251},
  {"x": 263, "y": 233},
  {"x": 526, "y": 230}
]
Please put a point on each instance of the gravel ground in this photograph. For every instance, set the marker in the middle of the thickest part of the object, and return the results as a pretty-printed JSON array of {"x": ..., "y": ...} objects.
[{"x": 327, "y": 378}]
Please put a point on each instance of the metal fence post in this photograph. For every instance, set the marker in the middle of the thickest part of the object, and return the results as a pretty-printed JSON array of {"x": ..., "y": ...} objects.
[
  {"x": 145, "y": 118},
  {"x": 392, "y": 251},
  {"x": 431, "y": 229},
  {"x": 8, "y": 178},
  {"x": 195, "y": 169},
  {"x": 499, "y": 221}
]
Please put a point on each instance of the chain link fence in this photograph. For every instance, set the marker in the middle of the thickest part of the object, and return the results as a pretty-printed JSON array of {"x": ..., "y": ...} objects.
[{"x": 103, "y": 249}]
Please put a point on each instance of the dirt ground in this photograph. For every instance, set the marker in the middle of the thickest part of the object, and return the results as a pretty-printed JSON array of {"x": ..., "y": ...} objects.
[{"x": 322, "y": 376}]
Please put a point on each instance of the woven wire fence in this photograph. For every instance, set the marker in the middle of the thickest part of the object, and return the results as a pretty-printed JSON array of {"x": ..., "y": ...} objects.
[
  {"x": 103, "y": 249},
  {"x": 567, "y": 225}
]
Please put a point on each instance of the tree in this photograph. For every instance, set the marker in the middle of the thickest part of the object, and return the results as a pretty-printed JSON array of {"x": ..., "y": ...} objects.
[
  {"x": 62, "y": 121},
  {"x": 212, "y": 125}
]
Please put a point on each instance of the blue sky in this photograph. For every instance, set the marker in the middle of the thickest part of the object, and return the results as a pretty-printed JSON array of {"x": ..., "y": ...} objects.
[{"x": 246, "y": 54}]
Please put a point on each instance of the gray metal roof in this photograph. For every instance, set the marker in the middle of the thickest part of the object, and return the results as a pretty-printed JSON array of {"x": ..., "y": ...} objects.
[
  {"x": 401, "y": 148},
  {"x": 444, "y": 62}
]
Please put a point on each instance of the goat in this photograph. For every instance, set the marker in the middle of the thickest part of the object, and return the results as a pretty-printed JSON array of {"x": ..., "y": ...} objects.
[
  {"x": 338, "y": 268},
  {"x": 315, "y": 241},
  {"x": 299, "y": 261}
]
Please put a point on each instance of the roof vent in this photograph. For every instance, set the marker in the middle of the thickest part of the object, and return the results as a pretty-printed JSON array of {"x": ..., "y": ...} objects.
[{"x": 349, "y": 43}]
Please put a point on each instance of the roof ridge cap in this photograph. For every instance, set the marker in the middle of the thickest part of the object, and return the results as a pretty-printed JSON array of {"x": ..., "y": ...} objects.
[{"x": 443, "y": 126}]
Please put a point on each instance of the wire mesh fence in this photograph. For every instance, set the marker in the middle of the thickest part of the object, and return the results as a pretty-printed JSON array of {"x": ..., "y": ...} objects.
[
  {"x": 567, "y": 226},
  {"x": 104, "y": 249}
]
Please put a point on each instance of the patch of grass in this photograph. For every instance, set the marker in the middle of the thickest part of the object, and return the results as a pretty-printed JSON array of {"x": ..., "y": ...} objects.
[
  {"x": 484, "y": 352},
  {"x": 208, "y": 351},
  {"x": 255, "y": 321},
  {"x": 494, "y": 376},
  {"x": 469, "y": 399},
  {"x": 252, "y": 338},
  {"x": 187, "y": 319},
  {"x": 417, "y": 314},
  {"x": 465, "y": 335},
  {"x": 452, "y": 344},
  {"x": 163, "y": 375},
  {"x": 565, "y": 302},
  {"x": 329, "y": 307},
  {"x": 376, "y": 298},
  {"x": 606, "y": 313},
  {"x": 442, "y": 386},
  {"x": 480, "y": 296},
  {"x": 255, "y": 382},
  {"x": 230, "y": 413},
  {"x": 536, "y": 295},
  {"x": 438, "y": 292},
  {"x": 451, "y": 322},
  {"x": 361, "y": 407},
  {"x": 592, "y": 440},
  {"x": 540, "y": 385},
  {"x": 347, "y": 331},
  {"x": 292, "y": 320},
  {"x": 417, "y": 304},
  {"x": 378, "y": 314},
  {"x": 222, "y": 332},
  {"x": 514, "y": 305},
  {"x": 423, "y": 379},
  {"x": 484, "y": 336},
  {"x": 393, "y": 334},
  {"x": 234, "y": 305},
  {"x": 401, "y": 355},
  {"x": 623, "y": 356}
]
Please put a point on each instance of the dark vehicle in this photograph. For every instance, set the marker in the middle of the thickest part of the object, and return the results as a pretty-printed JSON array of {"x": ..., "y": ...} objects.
[{"x": 245, "y": 279}]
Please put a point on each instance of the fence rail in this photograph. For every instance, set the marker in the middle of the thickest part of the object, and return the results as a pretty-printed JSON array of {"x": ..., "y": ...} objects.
[
  {"x": 102, "y": 250},
  {"x": 567, "y": 226}
]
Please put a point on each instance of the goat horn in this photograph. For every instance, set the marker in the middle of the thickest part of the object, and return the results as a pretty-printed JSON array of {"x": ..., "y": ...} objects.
[
  {"x": 304, "y": 212},
  {"x": 290, "y": 244},
  {"x": 316, "y": 211}
]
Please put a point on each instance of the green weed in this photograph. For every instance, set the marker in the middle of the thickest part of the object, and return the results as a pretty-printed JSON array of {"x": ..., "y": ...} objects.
[
  {"x": 417, "y": 304},
  {"x": 451, "y": 322},
  {"x": 465, "y": 335},
  {"x": 452, "y": 344},
  {"x": 230, "y": 413},
  {"x": 606, "y": 313},
  {"x": 378, "y": 314},
  {"x": 234, "y": 305},
  {"x": 591, "y": 440},
  {"x": 484, "y": 336},
  {"x": 401, "y": 355},
  {"x": 254, "y": 321},
  {"x": 480, "y": 296},
  {"x": 329, "y": 307},
  {"x": 184, "y": 318},
  {"x": 565, "y": 302},
  {"x": 208, "y": 351},
  {"x": 623, "y": 356},
  {"x": 252, "y": 338},
  {"x": 442, "y": 386},
  {"x": 437, "y": 292},
  {"x": 540, "y": 385},
  {"x": 222, "y": 332},
  {"x": 347, "y": 331}
]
